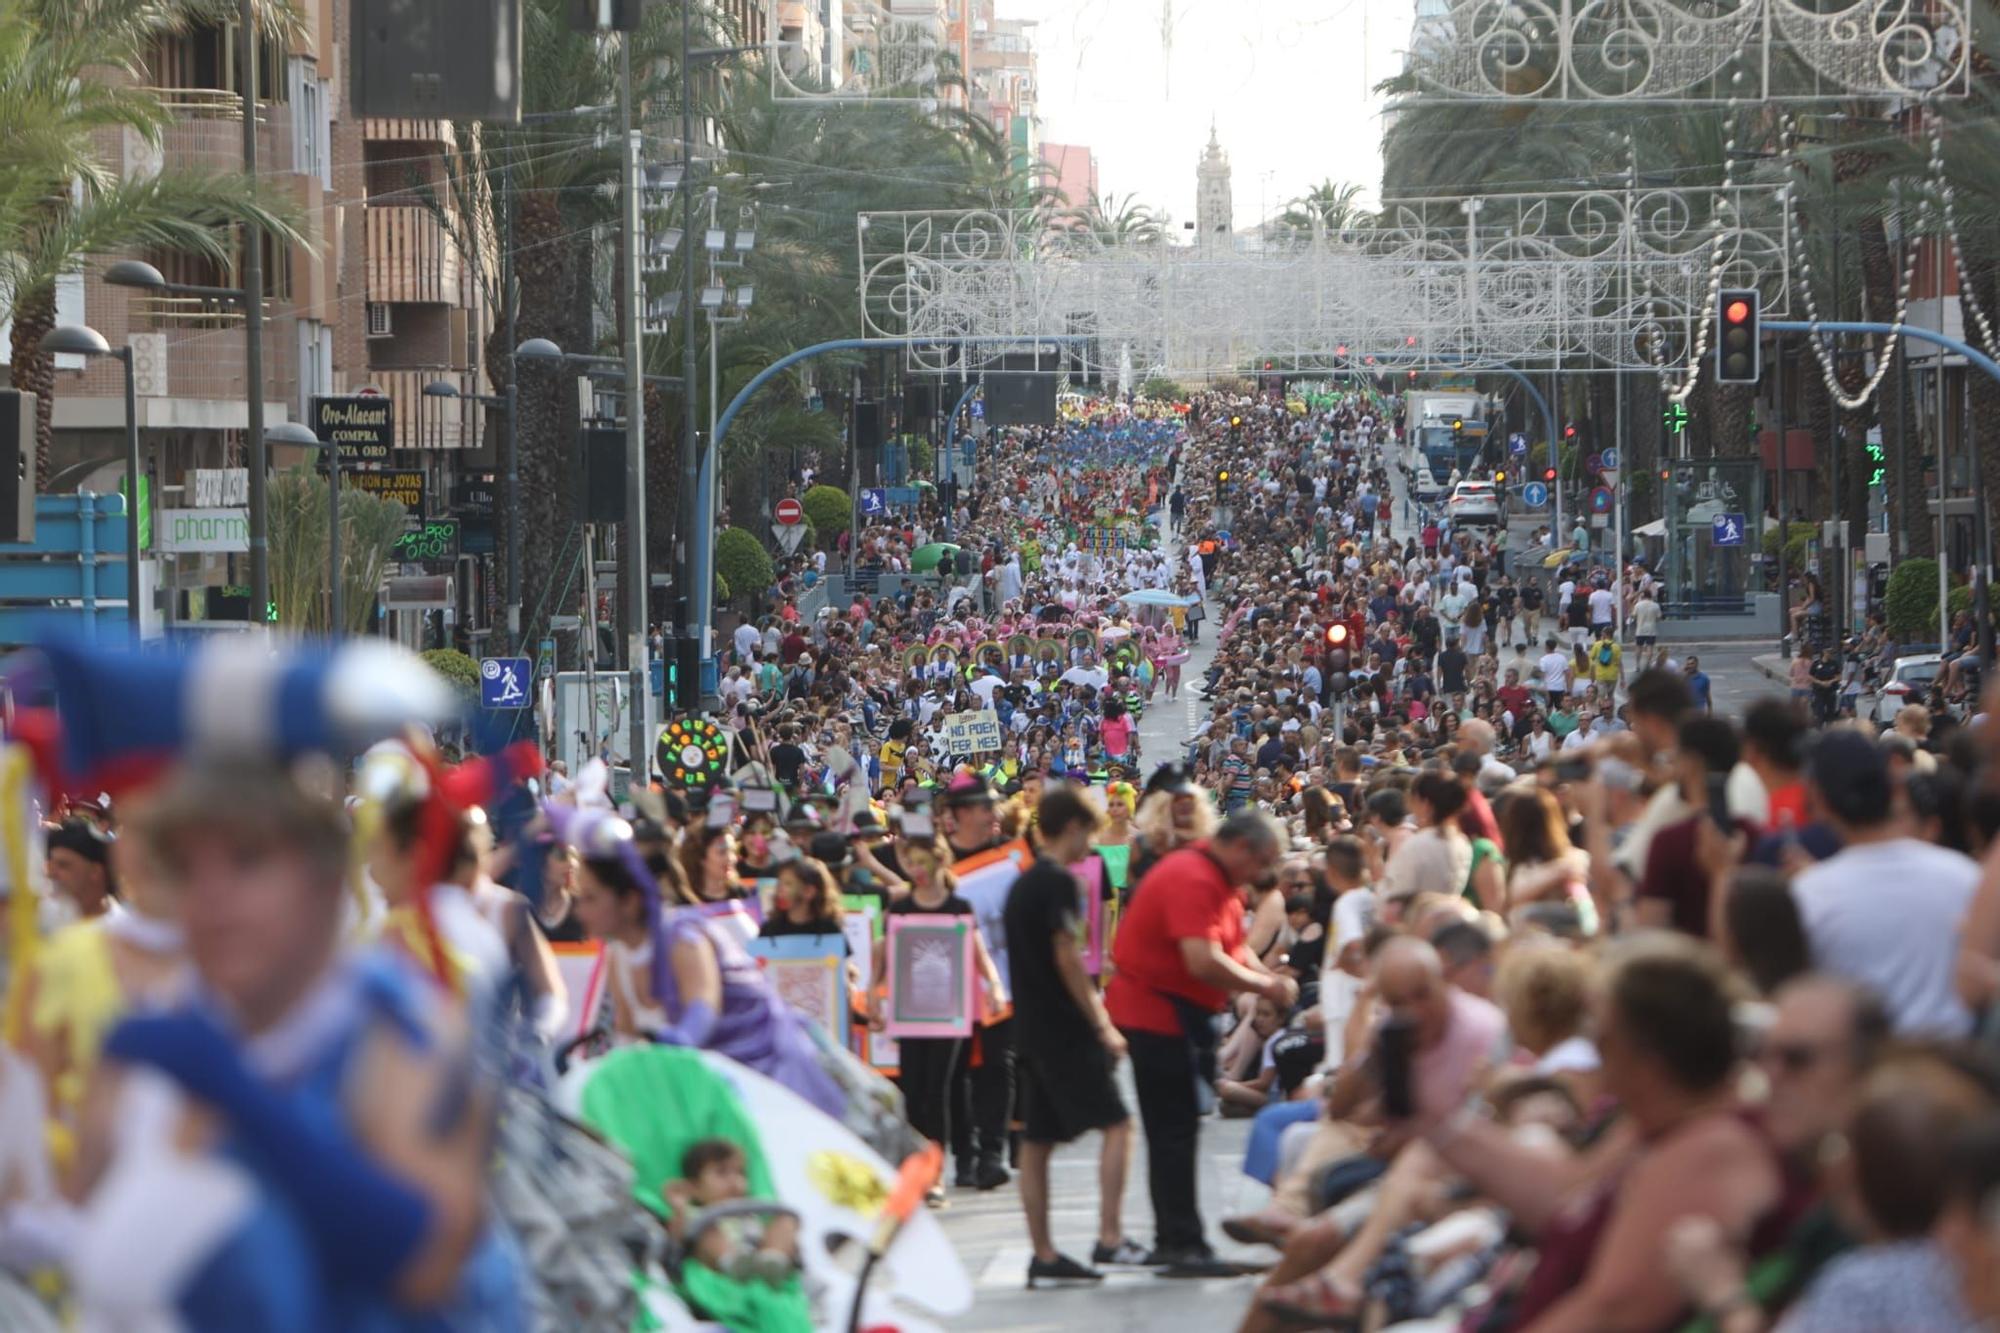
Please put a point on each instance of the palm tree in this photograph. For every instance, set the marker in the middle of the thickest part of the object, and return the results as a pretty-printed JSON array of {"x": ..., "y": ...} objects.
[
  {"x": 1328, "y": 208},
  {"x": 69, "y": 69},
  {"x": 1116, "y": 221}
]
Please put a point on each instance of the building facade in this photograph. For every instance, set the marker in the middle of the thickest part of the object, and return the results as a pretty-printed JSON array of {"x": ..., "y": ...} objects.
[
  {"x": 1213, "y": 206},
  {"x": 380, "y": 298},
  {"x": 1071, "y": 170}
]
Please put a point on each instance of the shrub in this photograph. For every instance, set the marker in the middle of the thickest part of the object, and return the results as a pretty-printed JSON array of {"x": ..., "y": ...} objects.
[
  {"x": 455, "y": 667},
  {"x": 1162, "y": 390},
  {"x": 741, "y": 562},
  {"x": 1796, "y": 537},
  {"x": 1960, "y": 601},
  {"x": 829, "y": 509},
  {"x": 923, "y": 459},
  {"x": 1911, "y": 599}
]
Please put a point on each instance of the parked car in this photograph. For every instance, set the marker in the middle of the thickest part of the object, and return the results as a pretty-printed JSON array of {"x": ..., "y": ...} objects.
[
  {"x": 1909, "y": 681},
  {"x": 1474, "y": 502}
]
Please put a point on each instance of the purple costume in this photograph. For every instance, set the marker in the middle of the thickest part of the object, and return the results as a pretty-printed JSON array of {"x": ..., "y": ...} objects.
[{"x": 753, "y": 1025}]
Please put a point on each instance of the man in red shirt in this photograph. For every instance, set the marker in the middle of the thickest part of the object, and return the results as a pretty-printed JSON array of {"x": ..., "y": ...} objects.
[{"x": 1179, "y": 957}]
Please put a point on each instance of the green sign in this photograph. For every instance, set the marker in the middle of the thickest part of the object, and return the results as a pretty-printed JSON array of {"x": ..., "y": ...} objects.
[
  {"x": 1676, "y": 418},
  {"x": 435, "y": 540},
  {"x": 145, "y": 510}
]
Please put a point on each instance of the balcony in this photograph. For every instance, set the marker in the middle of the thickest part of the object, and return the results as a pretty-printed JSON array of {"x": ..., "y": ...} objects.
[
  {"x": 428, "y": 423},
  {"x": 411, "y": 258},
  {"x": 440, "y": 132},
  {"x": 206, "y": 134}
]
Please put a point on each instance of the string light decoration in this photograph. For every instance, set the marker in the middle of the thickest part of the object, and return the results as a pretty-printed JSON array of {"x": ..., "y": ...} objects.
[
  {"x": 1690, "y": 52},
  {"x": 1617, "y": 277}
]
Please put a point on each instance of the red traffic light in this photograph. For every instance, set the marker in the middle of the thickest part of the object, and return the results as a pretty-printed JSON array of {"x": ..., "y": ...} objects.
[
  {"x": 1413, "y": 376},
  {"x": 1336, "y": 634},
  {"x": 1340, "y": 350},
  {"x": 1549, "y": 474},
  {"x": 1736, "y": 311},
  {"x": 1569, "y": 432},
  {"x": 1267, "y": 365}
]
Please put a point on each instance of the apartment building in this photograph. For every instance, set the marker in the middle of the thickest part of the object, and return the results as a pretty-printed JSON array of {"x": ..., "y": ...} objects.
[{"x": 380, "y": 298}]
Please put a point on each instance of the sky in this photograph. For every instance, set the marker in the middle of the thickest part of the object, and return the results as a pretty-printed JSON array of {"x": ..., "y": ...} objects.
[{"x": 1286, "y": 81}]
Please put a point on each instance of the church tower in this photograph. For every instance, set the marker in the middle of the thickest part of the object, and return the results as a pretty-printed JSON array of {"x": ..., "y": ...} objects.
[{"x": 1212, "y": 206}]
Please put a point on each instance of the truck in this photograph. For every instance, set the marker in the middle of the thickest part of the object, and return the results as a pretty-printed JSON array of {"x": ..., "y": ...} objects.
[{"x": 1443, "y": 432}]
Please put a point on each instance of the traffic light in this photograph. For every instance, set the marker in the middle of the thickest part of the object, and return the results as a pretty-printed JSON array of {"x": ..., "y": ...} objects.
[
  {"x": 1413, "y": 376},
  {"x": 1235, "y": 422},
  {"x": 1569, "y": 431},
  {"x": 1499, "y": 479},
  {"x": 1548, "y": 474},
  {"x": 1457, "y": 430},
  {"x": 1738, "y": 359},
  {"x": 1336, "y": 659}
]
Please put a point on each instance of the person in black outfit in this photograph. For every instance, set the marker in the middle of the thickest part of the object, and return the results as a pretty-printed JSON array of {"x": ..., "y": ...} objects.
[
  {"x": 787, "y": 757},
  {"x": 928, "y": 1067},
  {"x": 1065, "y": 1045},
  {"x": 971, "y": 823}
]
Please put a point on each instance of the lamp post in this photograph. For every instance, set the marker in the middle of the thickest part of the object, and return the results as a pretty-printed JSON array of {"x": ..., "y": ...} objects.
[
  {"x": 141, "y": 276},
  {"x": 510, "y": 499},
  {"x": 82, "y": 340},
  {"x": 546, "y": 351}
]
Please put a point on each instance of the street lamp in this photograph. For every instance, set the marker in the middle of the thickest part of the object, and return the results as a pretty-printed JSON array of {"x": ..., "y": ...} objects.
[
  {"x": 138, "y": 275},
  {"x": 294, "y": 433},
  {"x": 511, "y": 467},
  {"x": 547, "y": 352},
  {"x": 82, "y": 340}
]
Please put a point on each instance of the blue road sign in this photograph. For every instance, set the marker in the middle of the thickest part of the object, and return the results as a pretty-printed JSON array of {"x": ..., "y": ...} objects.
[
  {"x": 1517, "y": 444},
  {"x": 1728, "y": 530},
  {"x": 875, "y": 500},
  {"x": 503, "y": 682},
  {"x": 1609, "y": 458},
  {"x": 978, "y": 410},
  {"x": 1600, "y": 500},
  {"x": 1534, "y": 495}
]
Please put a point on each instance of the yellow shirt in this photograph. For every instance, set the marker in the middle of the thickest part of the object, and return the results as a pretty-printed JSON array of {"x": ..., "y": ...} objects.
[
  {"x": 77, "y": 999},
  {"x": 892, "y": 762}
]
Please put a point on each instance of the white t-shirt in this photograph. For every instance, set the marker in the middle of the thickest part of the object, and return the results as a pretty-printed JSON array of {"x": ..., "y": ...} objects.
[
  {"x": 1555, "y": 672},
  {"x": 746, "y": 639},
  {"x": 1603, "y": 603},
  {"x": 1646, "y": 618},
  {"x": 1887, "y": 915}
]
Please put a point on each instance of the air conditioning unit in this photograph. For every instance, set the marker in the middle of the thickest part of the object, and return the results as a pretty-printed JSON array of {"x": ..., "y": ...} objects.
[{"x": 378, "y": 321}]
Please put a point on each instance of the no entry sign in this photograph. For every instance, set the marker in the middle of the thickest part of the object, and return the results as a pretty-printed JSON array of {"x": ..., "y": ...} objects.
[{"x": 790, "y": 512}]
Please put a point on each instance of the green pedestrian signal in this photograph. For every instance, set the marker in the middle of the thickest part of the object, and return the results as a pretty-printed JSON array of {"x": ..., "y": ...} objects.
[{"x": 271, "y": 612}]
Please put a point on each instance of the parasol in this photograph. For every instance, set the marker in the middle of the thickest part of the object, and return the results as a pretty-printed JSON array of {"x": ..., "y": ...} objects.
[{"x": 926, "y": 558}]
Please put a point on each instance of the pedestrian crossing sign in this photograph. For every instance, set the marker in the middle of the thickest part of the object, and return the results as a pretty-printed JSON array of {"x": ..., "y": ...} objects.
[{"x": 503, "y": 682}]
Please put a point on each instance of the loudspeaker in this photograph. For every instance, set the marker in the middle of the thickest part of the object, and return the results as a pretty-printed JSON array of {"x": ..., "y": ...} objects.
[
  {"x": 686, "y": 658},
  {"x": 1014, "y": 399},
  {"x": 436, "y": 59},
  {"x": 17, "y": 466},
  {"x": 868, "y": 426},
  {"x": 600, "y": 482}
]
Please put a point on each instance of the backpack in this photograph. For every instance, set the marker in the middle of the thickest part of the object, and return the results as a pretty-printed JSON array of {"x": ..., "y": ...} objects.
[{"x": 1604, "y": 654}]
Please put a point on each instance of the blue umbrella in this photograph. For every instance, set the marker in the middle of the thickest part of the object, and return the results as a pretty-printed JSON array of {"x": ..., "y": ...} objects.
[{"x": 1155, "y": 597}]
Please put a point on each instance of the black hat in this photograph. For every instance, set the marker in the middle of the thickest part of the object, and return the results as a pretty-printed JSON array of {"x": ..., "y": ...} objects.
[
  {"x": 83, "y": 838},
  {"x": 1852, "y": 774},
  {"x": 1176, "y": 779},
  {"x": 830, "y": 849},
  {"x": 969, "y": 789}
]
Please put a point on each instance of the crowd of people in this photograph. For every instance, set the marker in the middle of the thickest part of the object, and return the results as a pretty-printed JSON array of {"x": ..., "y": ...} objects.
[{"x": 1553, "y": 998}]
